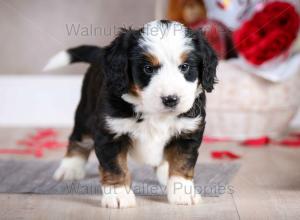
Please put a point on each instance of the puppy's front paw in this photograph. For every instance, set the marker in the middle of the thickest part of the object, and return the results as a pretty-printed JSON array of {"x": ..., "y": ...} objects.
[
  {"x": 181, "y": 191},
  {"x": 71, "y": 168},
  {"x": 117, "y": 197},
  {"x": 162, "y": 173}
]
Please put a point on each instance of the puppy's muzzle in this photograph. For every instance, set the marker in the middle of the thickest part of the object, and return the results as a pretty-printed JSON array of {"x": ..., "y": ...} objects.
[{"x": 170, "y": 101}]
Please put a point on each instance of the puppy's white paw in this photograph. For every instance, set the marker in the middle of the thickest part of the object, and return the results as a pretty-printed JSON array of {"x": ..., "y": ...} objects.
[
  {"x": 181, "y": 191},
  {"x": 162, "y": 173},
  {"x": 71, "y": 168},
  {"x": 117, "y": 197}
]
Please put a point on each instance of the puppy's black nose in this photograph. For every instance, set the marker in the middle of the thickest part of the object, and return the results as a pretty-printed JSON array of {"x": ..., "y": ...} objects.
[{"x": 170, "y": 100}]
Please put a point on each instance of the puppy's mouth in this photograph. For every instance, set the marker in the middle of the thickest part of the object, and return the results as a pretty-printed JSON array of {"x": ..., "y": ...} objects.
[
  {"x": 164, "y": 110},
  {"x": 175, "y": 111},
  {"x": 169, "y": 110}
]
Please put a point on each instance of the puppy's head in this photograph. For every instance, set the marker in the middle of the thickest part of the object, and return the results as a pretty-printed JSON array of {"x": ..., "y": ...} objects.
[{"x": 164, "y": 66}]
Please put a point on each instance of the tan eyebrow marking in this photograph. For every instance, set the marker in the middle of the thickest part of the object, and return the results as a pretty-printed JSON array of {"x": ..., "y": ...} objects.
[
  {"x": 183, "y": 57},
  {"x": 152, "y": 59}
]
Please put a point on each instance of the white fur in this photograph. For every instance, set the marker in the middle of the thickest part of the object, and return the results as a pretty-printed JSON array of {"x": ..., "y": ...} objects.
[
  {"x": 167, "y": 43},
  {"x": 150, "y": 136},
  {"x": 59, "y": 60},
  {"x": 131, "y": 99},
  {"x": 162, "y": 173},
  {"x": 181, "y": 191},
  {"x": 86, "y": 143},
  {"x": 117, "y": 197},
  {"x": 71, "y": 168}
]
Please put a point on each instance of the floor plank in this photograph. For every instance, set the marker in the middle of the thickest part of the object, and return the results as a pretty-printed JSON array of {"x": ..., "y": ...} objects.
[
  {"x": 266, "y": 187},
  {"x": 268, "y": 184}
]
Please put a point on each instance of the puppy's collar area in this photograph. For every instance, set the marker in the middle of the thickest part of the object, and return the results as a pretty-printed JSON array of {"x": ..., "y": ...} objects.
[
  {"x": 134, "y": 101},
  {"x": 139, "y": 117},
  {"x": 196, "y": 109}
]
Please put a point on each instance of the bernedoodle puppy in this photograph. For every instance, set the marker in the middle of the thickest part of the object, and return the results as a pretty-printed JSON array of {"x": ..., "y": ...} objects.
[{"x": 143, "y": 97}]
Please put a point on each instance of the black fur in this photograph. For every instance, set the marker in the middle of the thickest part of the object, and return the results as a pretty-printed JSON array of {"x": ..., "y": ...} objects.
[
  {"x": 117, "y": 69},
  {"x": 207, "y": 68},
  {"x": 85, "y": 53}
]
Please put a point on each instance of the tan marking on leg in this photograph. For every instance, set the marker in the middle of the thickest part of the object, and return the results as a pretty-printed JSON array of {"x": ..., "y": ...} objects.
[
  {"x": 82, "y": 148},
  {"x": 122, "y": 178},
  {"x": 180, "y": 187},
  {"x": 178, "y": 164}
]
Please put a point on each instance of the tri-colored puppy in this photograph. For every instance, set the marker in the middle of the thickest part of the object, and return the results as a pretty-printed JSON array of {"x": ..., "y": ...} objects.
[{"x": 143, "y": 96}]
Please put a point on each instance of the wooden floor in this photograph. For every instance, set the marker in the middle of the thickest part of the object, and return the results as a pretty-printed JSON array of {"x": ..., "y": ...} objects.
[{"x": 267, "y": 186}]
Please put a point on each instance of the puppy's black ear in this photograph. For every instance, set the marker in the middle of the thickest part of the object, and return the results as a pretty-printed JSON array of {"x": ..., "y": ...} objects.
[
  {"x": 208, "y": 61},
  {"x": 116, "y": 63}
]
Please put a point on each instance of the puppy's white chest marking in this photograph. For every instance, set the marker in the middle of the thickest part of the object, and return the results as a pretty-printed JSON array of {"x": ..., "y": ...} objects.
[{"x": 150, "y": 136}]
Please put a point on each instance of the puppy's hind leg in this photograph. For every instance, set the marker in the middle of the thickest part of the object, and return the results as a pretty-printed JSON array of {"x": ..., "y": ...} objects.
[{"x": 72, "y": 167}]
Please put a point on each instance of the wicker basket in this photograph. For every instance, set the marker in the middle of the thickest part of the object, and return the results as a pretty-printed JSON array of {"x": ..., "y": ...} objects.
[{"x": 245, "y": 106}]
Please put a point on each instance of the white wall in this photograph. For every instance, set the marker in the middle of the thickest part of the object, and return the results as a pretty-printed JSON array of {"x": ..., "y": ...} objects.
[
  {"x": 38, "y": 100},
  {"x": 34, "y": 30}
]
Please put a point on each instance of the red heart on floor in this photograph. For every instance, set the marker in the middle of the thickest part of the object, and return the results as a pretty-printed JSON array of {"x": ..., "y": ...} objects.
[{"x": 224, "y": 155}]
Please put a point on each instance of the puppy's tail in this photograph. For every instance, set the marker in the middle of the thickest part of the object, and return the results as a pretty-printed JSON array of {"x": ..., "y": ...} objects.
[{"x": 86, "y": 54}]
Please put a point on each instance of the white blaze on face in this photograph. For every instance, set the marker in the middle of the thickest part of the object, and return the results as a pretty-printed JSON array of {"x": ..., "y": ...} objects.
[{"x": 167, "y": 42}]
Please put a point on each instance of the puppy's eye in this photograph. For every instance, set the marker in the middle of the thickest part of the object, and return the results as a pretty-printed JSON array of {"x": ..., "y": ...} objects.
[
  {"x": 184, "y": 68},
  {"x": 148, "y": 69}
]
